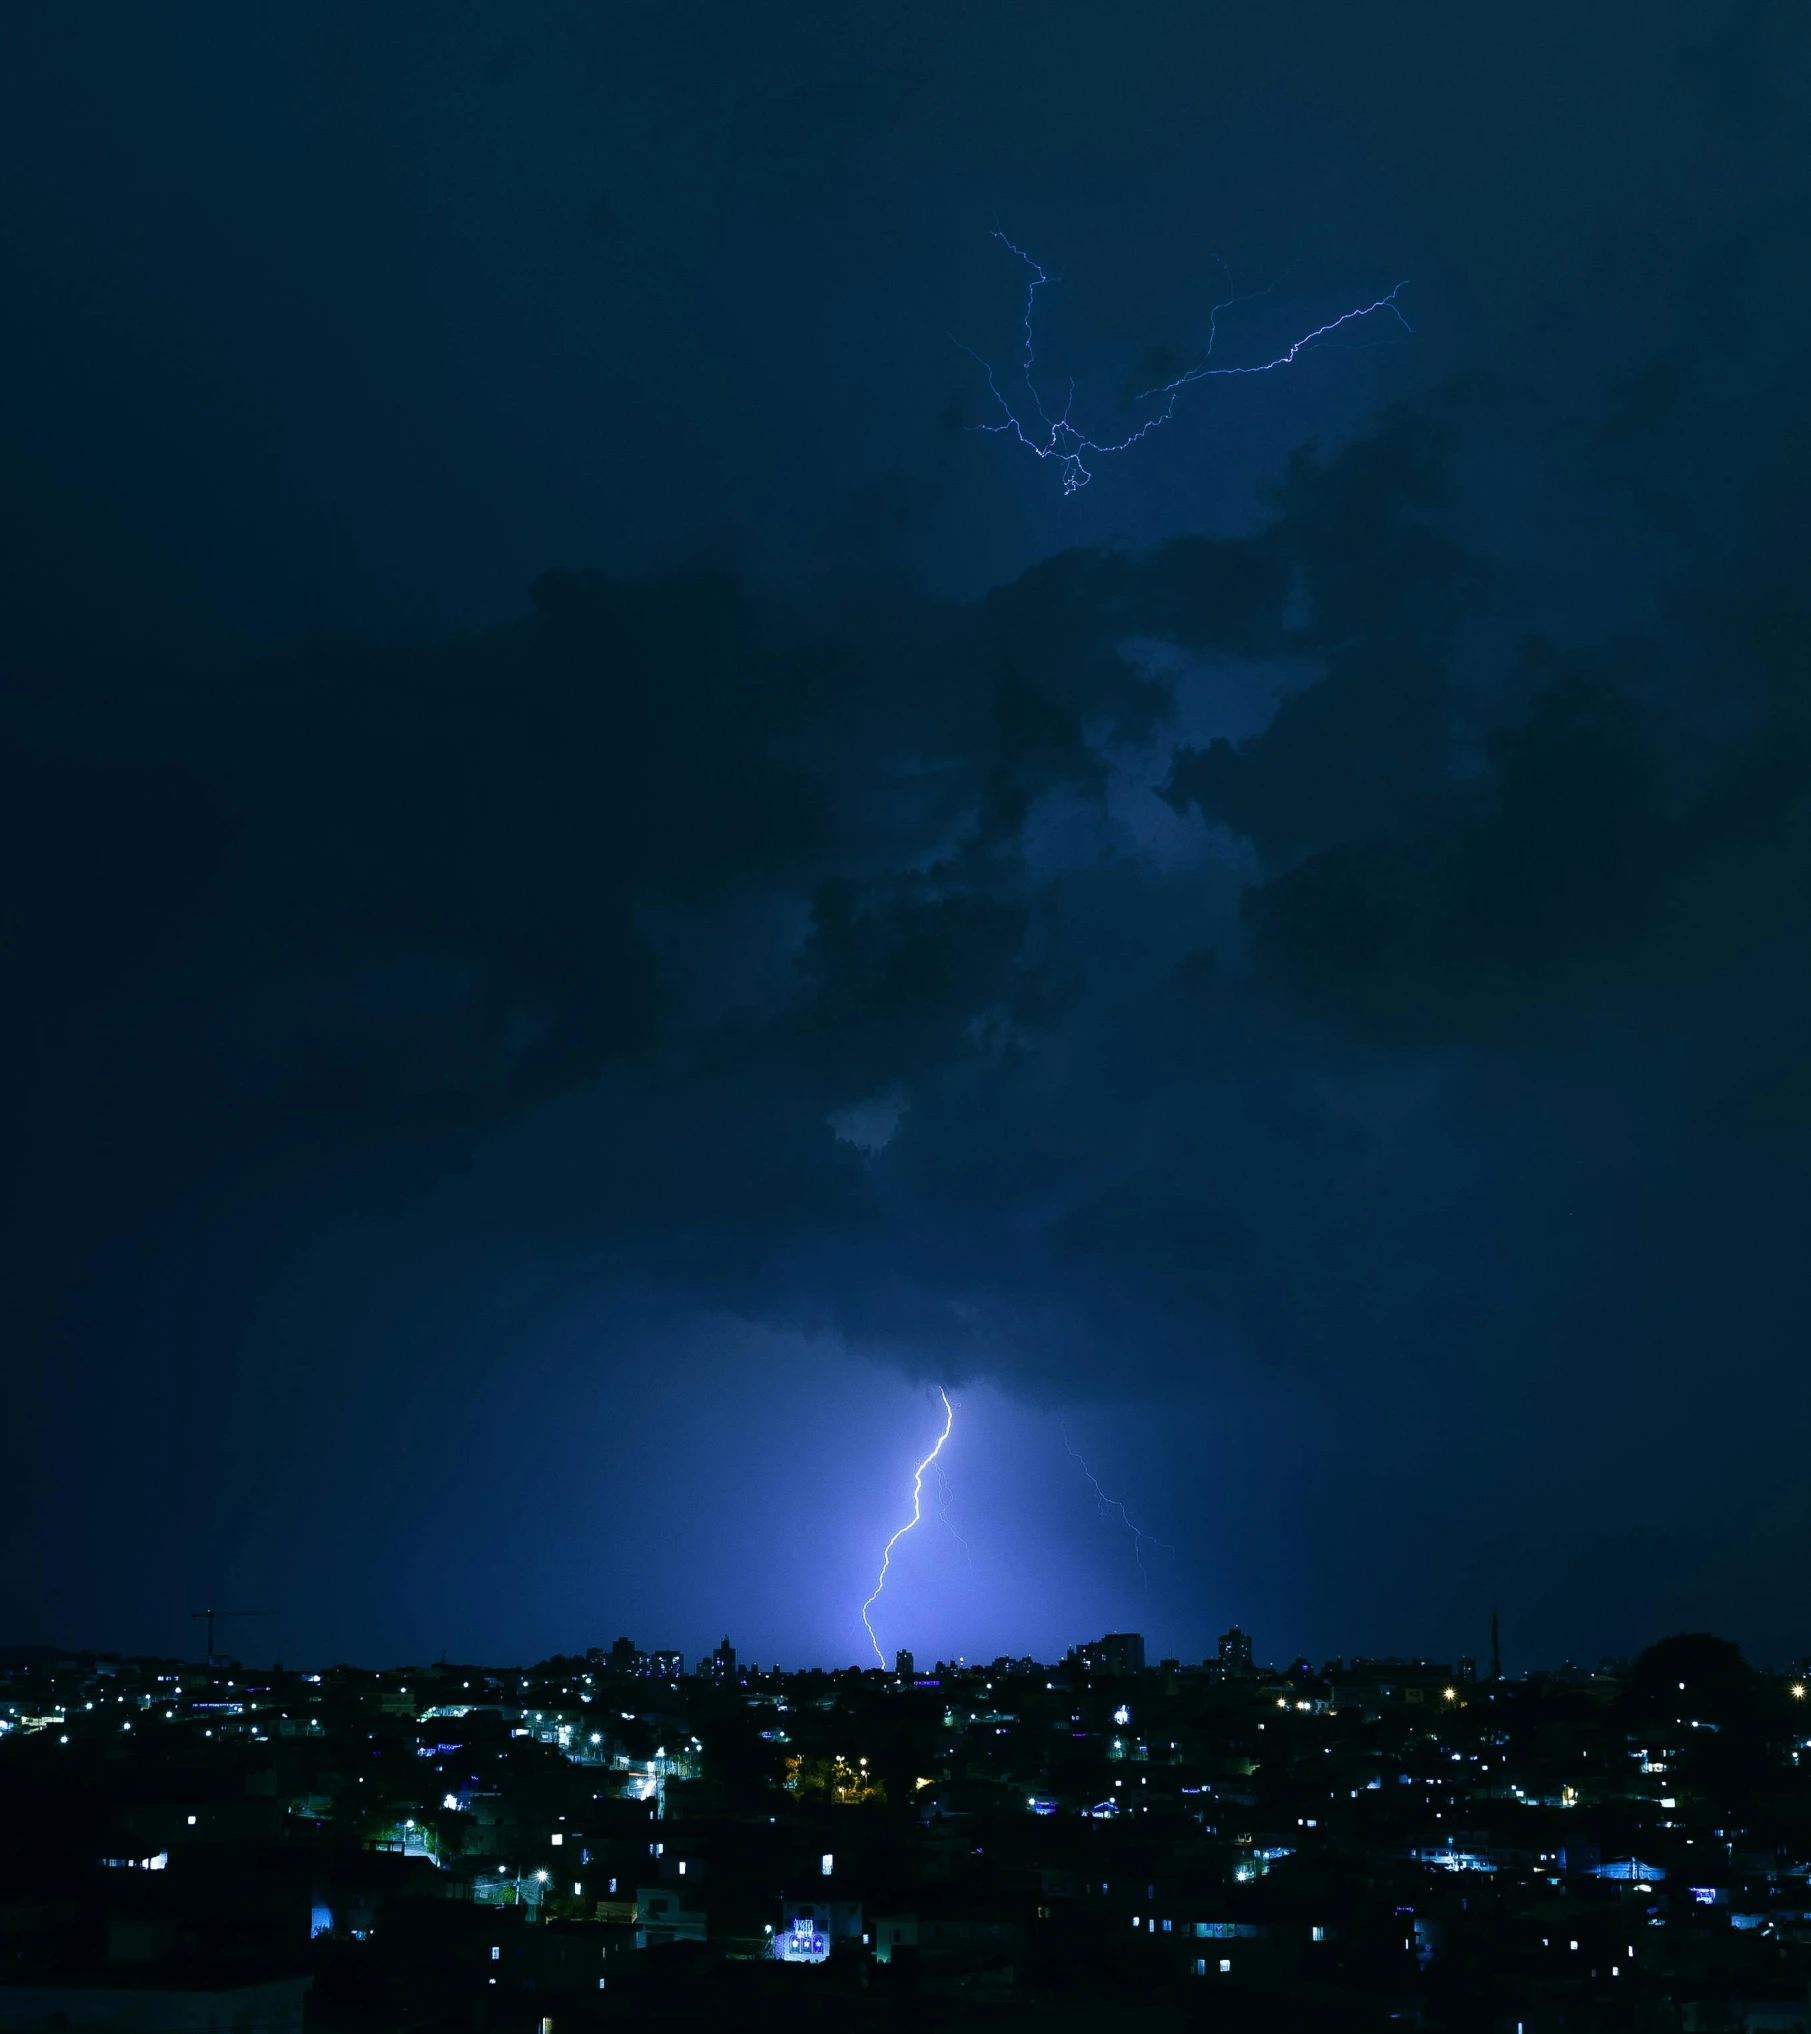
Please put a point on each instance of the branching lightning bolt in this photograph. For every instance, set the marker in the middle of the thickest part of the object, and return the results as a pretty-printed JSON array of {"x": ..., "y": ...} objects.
[
  {"x": 886, "y": 1558},
  {"x": 943, "y": 1511},
  {"x": 1110, "y": 1504},
  {"x": 1057, "y": 438}
]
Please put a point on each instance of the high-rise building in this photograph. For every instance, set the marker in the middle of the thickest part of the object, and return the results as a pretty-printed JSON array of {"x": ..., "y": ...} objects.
[
  {"x": 622, "y": 1658},
  {"x": 1235, "y": 1652},
  {"x": 1120, "y": 1652},
  {"x": 1124, "y": 1651},
  {"x": 721, "y": 1666},
  {"x": 626, "y": 1657},
  {"x": 904, "y": 1666}
]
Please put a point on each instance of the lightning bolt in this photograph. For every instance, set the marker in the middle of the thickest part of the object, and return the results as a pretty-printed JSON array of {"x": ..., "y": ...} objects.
[
  {"x": 1057, "y": 438},
  {"x": 886, "y": 1558},
  {"x": 1111, "y": 1504},
  {"x": 943, "y": 1511}
]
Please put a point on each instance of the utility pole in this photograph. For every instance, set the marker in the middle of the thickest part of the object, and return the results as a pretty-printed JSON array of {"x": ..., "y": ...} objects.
[{"x": 212, "y": 1614}]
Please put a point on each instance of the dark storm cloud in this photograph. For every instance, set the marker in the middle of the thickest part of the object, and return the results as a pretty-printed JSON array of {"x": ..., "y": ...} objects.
[
  {"x": 1382, "y": 588},
  {"x": 386, "y": 888},
  {"x": 400, "y": 896},
  {"x": 685, "y": 874},
  {"x": 1337, "y": 981}
]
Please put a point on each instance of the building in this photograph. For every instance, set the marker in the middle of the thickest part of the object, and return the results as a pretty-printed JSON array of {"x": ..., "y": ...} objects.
[
  {"x": 1124, "y": 1651},
  {"x": 721, "y": 1666},
  {"x": 808, "y": 1928},
  {"x": 895, "y": 1931},
  {"x": 904, "y": 1666},
  {"x": 801, "y": 1940},
  {"x": 661, "y": 1918},
  {"x": 1118, "y": 1654},
  {"x": 1234, "y": 1657},
  {"x": 1379, "y": 1684},
  {"x": 626, "y": 1657},
  {"x": 979, "y": 1938}
]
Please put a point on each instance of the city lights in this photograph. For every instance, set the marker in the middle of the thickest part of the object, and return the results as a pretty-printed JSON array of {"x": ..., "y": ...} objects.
[{"x": 1026, "y": 1759}]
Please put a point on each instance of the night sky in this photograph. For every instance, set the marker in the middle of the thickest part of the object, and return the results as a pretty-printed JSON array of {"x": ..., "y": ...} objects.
[{"x": 601, "y": 892}]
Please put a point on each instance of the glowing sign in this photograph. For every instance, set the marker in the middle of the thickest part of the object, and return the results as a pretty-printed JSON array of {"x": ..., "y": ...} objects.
[{"x": 803, "y": 1942}]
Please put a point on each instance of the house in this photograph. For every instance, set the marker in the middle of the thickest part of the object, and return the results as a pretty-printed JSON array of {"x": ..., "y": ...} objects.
[
  {"x": 660, "y": 1918},
  {"x": 808, "y": 1928},
  {"x": 976, "y": 1937}
]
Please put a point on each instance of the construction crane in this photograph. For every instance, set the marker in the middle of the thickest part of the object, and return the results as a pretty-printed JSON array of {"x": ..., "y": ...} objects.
[{"x": 211, "y": 1615}]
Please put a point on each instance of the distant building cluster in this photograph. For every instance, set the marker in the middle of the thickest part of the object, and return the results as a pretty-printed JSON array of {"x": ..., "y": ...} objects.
[
  {"x": 606, "y": 1837},
  {"x": 626, "y": 1660},
  {"x": 1118, "y": 1654}
]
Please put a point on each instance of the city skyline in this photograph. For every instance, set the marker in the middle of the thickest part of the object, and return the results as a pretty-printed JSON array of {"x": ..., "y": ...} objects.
[{"x": 598, "y": 1840}]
